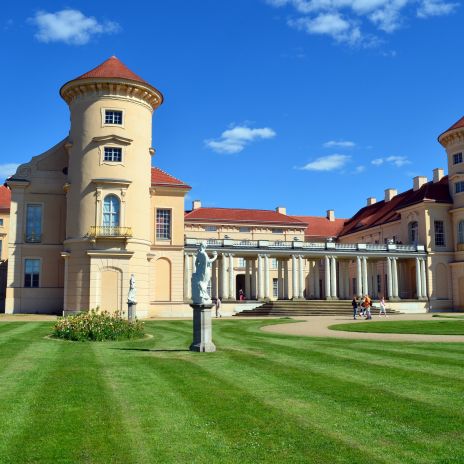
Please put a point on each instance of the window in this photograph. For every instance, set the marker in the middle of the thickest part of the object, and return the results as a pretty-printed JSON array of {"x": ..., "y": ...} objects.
[
  {"x": 274, "y": 263},
  {"x": 244, "y": 229},
  {"x": 111, "y": 210},
  {"x": 31, "y": 272},
  {"x": 439, "y": 233},
  {"x": 277, "y": 231},
  {"x": 1, "y": 222},
  {"x": 457, "y": 158},
  {"x": 113, "y": 154},
  {"x": 413, "y": 227},
  {"x": 275, "y": 288},
  {"x": 379, "y": 283},
  {"x": 33, "y": 223},
  {"x": 461, "y": 232},
  {"x": 241, "y": 262},
  {"x": 459, "y": 187},
  {"x": 1, "y": 244},
  {"x": 211, "y": 228},
  {"x": 163, "y": 224},
  {"x": 113, "y": 117}
]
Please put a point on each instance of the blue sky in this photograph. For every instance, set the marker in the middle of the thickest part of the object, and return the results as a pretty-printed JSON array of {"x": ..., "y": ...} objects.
[{"x": 308, "y": 104}]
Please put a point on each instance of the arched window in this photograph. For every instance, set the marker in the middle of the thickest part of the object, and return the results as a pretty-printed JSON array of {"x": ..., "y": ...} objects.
[
  {"x": 111, "y": 211},
  {"x": 461, "y": 232},
  {"x": 413, "y": 231}
]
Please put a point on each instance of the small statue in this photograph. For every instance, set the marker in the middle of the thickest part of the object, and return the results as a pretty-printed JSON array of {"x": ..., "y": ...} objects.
[
  {"x": 202, "y": 276},
  {"x": 132, "y": 295}
]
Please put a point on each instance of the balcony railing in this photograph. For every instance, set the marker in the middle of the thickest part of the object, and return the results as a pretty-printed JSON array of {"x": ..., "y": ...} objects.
[
  {"x": 33, "y": 237},
  {"x": 110, "y": 232}
]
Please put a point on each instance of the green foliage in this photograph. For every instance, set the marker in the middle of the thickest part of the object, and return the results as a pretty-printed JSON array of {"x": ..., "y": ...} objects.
[{"x": 97, "y": 326}]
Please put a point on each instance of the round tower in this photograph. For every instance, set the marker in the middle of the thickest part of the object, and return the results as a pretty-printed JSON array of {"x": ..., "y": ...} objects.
[
  {"x": 453, "y": 141},
  {"x": 108, "y": 224}
]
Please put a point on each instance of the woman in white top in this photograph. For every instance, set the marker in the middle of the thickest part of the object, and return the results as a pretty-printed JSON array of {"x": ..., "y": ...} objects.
[{"x": 383, "y": 310}]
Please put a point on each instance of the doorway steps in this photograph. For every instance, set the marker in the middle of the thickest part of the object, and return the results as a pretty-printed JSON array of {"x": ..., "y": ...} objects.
[{"x": 304, "y": 308}]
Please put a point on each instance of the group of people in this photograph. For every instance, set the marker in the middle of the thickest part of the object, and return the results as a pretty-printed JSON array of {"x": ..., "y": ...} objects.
[{"x": 362, "y": 307}]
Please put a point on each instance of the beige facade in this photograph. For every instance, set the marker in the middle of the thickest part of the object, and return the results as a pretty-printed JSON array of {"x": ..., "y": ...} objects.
[{"x": 91, "y": 211}]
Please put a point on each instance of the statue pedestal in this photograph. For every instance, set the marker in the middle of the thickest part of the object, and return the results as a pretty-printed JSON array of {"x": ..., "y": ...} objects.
[
  {"x": 131, "y": 311},
  {"x": 202, "y": 329}
]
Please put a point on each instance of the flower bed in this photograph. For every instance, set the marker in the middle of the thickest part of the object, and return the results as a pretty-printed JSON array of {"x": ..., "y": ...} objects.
[{"x": 97, "y": 326}]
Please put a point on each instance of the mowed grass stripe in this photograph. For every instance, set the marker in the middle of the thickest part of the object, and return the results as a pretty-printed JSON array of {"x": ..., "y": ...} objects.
[
  {"x": 162, "y": 422},
  {"x": 9, "y": 331},
  {"x": 70, "y": 416},
  {"x": 329, "y": 400},
  {"x": 254, "y": 430}
]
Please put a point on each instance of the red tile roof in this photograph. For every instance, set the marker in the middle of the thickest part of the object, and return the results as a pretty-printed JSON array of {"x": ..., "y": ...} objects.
[
  {"x": 383, "y": 212},
  {"x": 456, "y": 125},
  {"x": 241, "y": 216},
  {"x": 161, "y": 178},
  {"x": 112, "y": 68},
  {"x": 5, "y": 198},
  {"x": 319, "y": 227}
]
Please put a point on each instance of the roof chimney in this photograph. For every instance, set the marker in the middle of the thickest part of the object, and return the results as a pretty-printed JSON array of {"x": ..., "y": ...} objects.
[
  {"x": 390, "y": 193},
  {"x": 281, "y": 210},
  {"x": 438, "y": 174},
  {"x": 196, "y": 204},
  {"x": 418, "y": 182},
  {"x": 371, "y": 201},
  {"x": 331, "y": 215}
]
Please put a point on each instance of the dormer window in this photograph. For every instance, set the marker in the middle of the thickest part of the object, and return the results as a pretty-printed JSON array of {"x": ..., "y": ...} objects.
[
  {"x": 113, "y": 154},
  {"x": 457, "y": 158},
  {"x": 113, "y": 117}
]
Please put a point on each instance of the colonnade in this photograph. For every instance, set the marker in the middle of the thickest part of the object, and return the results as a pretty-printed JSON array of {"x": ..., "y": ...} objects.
[{"x": 304, "y": 281}]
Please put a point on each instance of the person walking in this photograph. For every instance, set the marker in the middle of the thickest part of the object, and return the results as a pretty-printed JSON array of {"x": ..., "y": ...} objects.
[
  {"x": 383, "y": 309},
  {"x": 367, "y": 307},
  {"x": 354, "y": 304}
]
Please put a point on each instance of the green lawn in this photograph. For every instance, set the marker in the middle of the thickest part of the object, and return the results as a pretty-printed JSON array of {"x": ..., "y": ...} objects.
[
  {"x": 261, "y": 398},
  {"x": 446, "y": 327}
]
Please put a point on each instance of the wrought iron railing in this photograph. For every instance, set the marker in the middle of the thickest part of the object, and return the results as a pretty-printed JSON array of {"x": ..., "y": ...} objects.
[
  {"x": 32, "y": 237},
  {"x": 110, "y": 231}
]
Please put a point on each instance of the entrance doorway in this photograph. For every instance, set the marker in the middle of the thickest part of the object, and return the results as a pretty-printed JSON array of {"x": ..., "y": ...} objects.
[{"x": 240, "y": 285}]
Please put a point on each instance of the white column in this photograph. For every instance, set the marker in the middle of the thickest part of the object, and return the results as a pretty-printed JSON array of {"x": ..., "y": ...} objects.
[
  {"x": 418, "y": 279},
  {"x": 267, "y": 293},
  {"x": 247, "y": 279},
  {"x": 232, "y": 295},
  {"x": 327, "y": 278},
  {"x": 286, "y": 279},
  {"x": 423, "y": 278},
  {"x": 260, "y": 278},
  {"x": 294, "y": 278},
  {"x": 187, "y": 294},
  {"x": 317, "y": 278},
  {"x": 301, "y": 285},
  {"x": 365, "y": 286},
  {"x": 333, "y": 277},
  {"x": 395, "y": 277},
  {"x": 254, "y": 280},
  {"x": 280, "y": 280},
  {"x": 215, "y": 280},
  {"x": 224, "y": 290},
  {"x": 359, "y": 285},
  {"x": 389, "y": 278}
]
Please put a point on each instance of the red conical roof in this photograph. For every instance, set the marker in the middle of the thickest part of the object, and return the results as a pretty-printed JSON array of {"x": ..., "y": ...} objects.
[
  {"x": 457, "y": 125},
  {"x": 112, "y": 68}
]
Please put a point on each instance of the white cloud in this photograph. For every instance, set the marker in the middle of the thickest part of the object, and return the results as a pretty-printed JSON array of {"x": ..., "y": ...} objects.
[
  {"x": 234, "y": 140},
  {"x": 70, "y": 26},
  {"x": 347, "y": 20},
  {"x": 398, "y": 161},
  {"x": 339, "y": 143},
  {"x": 7, "y": 170},
  {"x": 327, "y": 163},
  {"x": 429, "y": 8},
  {"x": 360, "y": 169}
]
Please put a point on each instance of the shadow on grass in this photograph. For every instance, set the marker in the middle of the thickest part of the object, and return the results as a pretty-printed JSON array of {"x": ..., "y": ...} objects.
[{"x": 146, "y": 349}]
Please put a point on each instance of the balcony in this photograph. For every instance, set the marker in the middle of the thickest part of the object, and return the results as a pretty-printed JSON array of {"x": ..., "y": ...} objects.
[
  {"x": 33, "y": 237},
  {"x": 110, "y": 232}
]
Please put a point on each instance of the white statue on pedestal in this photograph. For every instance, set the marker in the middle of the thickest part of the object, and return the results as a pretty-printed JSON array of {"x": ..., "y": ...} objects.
[
  {"x": 202, "y": 276},
  {"x": 132, "y": 295}
]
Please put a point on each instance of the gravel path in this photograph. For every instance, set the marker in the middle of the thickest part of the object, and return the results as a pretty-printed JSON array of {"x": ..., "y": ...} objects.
[{"x": 317, "y": 326}]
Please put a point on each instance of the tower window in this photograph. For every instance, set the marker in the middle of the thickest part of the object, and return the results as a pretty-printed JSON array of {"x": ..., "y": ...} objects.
[
  {"x": 113, "y": 154},
  {"x": 413, "y": 228},
  {"x": 457, "y": 158},
  {"x": 33, "y": 223},
  {"x": 461, "y": 232},
  {"x": 439, "y": 233},
  {"x": 459, "y": 187},
  {"x": 111, "y": 211},
  {"x": 113, "y": 117}
]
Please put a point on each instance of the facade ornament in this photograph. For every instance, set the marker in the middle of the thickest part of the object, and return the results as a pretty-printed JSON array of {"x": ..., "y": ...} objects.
[{"x": 132, "y": 295}]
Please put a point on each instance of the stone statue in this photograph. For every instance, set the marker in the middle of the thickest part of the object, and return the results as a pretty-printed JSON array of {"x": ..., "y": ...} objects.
[
  {"x": 132, "y": 295},
  {"x": 202, "y": 276}
]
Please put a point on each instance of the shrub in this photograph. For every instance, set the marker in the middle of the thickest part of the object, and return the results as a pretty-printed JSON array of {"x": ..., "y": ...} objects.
[{"x": 97, "y": 326}]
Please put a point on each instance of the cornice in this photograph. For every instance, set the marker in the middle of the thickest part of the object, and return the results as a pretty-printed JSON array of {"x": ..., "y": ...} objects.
[
  {"x": 452, "y": 137},
  {"x": 100, "y": 87},
  {"x": 112, "y": 138}
]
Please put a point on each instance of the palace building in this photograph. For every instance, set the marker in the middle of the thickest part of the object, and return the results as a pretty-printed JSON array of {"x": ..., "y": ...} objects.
[{"x": 92, "y": 210}]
